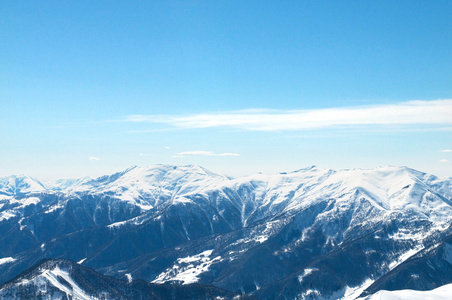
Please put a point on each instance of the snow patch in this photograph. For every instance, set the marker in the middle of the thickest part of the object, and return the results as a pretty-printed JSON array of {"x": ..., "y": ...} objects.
[
  {"x": 6, "y": 260},
  {"x": 5, "y": 215},
  {"x": 407, "y": 234},
  {"x": 187, "y": 269},
  {"x": 53, "y": 277},
  {"x": 53, "y": 208},
  {"x": 75, "y": 291},
  {"x": 117, "y": 224},
  {"x": 404, "y": 257},
  {"x": 354, "y": 292},
  {"x": 306, "y": 272},
  {"x": 81, "y": 261},
  {"x": 129, "y": 277},
  {"x": 24, "y": 202},
  {"x": 442, "y": 293},
  {"x": 309, "y": 294}
]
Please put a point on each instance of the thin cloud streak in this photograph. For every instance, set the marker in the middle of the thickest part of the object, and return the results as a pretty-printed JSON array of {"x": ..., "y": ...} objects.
[
  {"x": 94, "y": 158},
  {"x": 446, "y": 150},
  {"x": 431, "y": 113}
]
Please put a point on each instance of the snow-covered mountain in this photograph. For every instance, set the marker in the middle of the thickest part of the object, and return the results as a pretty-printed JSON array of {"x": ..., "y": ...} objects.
[
  {"x": 306, "y": 234},
  {"x": 20, "y": 185}
]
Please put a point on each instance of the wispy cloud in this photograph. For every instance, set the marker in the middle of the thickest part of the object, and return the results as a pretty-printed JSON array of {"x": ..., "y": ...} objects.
[
  {"x": 145, "y": 154},
  {"x": 203, "y": 153},
  {"x": 444, "y": 161},
  {"x": 446, "y": 150},
  {"x": 94, "y": 158},
  {"x": 432, "y": 113}
]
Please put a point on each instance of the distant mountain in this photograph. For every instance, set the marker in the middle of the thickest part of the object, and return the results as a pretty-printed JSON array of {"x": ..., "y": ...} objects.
[
  {"x": 20, "y": 185},
  {"x": 306, "y": 234}
]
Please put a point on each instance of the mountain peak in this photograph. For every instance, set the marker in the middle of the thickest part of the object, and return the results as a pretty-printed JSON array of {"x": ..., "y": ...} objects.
[{"x": 20, "y": 184}]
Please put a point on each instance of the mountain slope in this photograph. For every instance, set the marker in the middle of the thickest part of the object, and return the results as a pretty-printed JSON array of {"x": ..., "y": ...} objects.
[
  {"x": 427, "y": 269},
  {"x": 63, "y": 279},
  {"x": 307, "y": 233},
  {"x": 440, "y": 293}
]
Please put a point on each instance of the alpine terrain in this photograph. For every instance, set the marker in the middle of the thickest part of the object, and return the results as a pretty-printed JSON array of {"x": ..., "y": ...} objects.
[{"x": 171, "y": 232}]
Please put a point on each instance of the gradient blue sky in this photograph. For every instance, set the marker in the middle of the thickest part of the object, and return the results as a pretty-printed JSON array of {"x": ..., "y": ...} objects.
[{"x": 93, "y": 87}]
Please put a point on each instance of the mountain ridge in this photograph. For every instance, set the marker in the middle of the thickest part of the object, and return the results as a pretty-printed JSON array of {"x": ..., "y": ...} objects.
[
  {"x": 66, "y": 279},
  {"x": 185, "y": 224}
]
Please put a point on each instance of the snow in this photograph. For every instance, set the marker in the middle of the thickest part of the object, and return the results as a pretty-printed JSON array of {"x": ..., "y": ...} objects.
[
  {"x": 6, "y": 215},
  {"x": 18, "y": 206},
  {"x": 81, "y": 261},
  {"x": 268, "y": 231},
  {"x": 406, "y": 234},
  {"x": 129, "y": 277},
  {"x": 5, "y": 198},
  {"x": 67, "y": 183},
  {"x": 182, "y": 200},
  {"x": 117, "y": 224},
  {"x": 351, "y": 293},
  {"x": 442, "y": 293},
  {"x": 54, "y": 208},
  {"x": 198, "y": 257},
  {"x": 404, "y": 257},
  {"x": 187, "y": 270},
  {"x": 134, "y": 221},
  {"x": 20, "y": 184},
  {"x": 74, "y": 290},
  {"x": 147, "y": 187},
  {"x": 309, "y": 294},
  {"x": 387, "y": 188},
  {"x": 306, "y": 272},
  {"x": 261, "y": 239},
  {"x": 384, "y": 192},
  {"x": 6, "y": 260},
  {"x": 71, "y": 289},
  {"x": 25, "y": 201}
]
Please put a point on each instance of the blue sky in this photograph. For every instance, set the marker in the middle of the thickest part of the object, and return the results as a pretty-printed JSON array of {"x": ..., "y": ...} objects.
[{"x": 93, "y": 87}]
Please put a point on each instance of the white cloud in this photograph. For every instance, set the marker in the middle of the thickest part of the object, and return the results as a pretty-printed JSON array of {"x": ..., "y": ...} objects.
[
  {"x": 432, "y": 113},
  {"x": 444, "y": 160},
  {"x": 145, "y": 154},
  {"x": 446, "y": 150},
  {"x": 94, "y": 158},
  {"x": 203, "y": 153}
]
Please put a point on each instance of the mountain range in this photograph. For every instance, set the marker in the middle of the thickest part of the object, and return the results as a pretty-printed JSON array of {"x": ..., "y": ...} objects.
[{"x": 164, "y": 231}]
